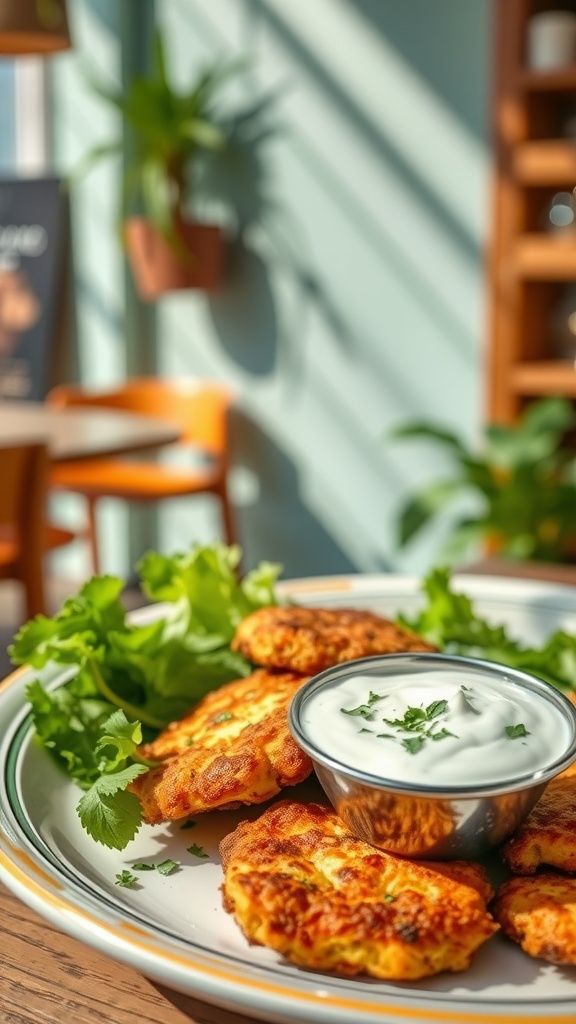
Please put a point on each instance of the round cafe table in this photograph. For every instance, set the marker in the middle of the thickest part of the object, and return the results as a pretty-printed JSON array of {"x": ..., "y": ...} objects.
[{"x": 78, "y": 433}]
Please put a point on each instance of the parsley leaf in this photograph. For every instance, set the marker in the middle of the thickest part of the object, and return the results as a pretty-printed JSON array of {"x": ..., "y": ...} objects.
[
  {"x": 515, "y": 731},
  {"x": 364, "y": 710},
  {"x": 438, "y": 707},
  {"x": 108, "y": 813},
  {"x": 450, "y": 620},
  {"x": 121, "y": 677},
  {"x": 442, "y": 734},
  {"x": 166, "y": 867},
  {"x": 196, "y": 851},
  {"x": 126, "y": 879},
  {"x": 414, "y": 743}
]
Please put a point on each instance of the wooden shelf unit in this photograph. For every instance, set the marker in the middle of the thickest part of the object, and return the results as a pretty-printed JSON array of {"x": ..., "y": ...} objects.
[{"x": 530, "y": 265}]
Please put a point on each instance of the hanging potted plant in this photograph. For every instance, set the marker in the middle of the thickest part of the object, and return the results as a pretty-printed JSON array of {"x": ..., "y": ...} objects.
[{"x": 167, "y": 247}]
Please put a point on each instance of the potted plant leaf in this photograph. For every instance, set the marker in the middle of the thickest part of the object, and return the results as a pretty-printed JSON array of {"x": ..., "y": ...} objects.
[
  {"x": 523, "y": 481},
  {"x": 167, "y": 247}
]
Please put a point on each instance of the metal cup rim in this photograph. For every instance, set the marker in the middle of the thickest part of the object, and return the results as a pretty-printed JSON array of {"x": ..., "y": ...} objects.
[{"x": 390, "y": 662}]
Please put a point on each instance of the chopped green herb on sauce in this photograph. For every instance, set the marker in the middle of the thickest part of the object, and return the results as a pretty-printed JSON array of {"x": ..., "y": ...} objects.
[{"x": 515, "y": 731}]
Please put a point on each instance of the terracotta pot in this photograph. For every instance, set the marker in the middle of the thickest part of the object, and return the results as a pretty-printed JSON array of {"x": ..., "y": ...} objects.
[{"x": 158, "y": 268}]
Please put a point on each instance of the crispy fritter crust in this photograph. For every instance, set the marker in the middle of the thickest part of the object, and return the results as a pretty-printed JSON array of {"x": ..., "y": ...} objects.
[
  {"x": 298, "y": 881},
  {"x": 540, "y": 914},
  {"x": 547, "y": 836},
  {"x": 234, "y": 748},
  {"x": 311, "y": 639}
]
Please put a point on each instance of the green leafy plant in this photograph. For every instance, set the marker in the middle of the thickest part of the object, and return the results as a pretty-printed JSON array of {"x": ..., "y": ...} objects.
[
  {"x": 169, "y": 130},
  {"x": 523, "y": 479},
  {"x": 129, "y": 680}
]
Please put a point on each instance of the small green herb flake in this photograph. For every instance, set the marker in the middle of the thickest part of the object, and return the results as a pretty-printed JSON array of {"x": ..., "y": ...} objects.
[
  {"x": 141, "y": 866},
  {"x": 188, "y": 824},
  {"x": 437, "y": 707},
  {"x": 126, "y": 879},
  {"x": 389, "y": 897},
  {"x": 442, "y": 734},
  {"x": 190, "y": 741},
  {"x": 166, "y": 867},
  {"x": 414, "y": 719},
  {"x": 364, "y": 710},
  {"x": 413, "y": 744},
  {"x": 196, "y": 851},
  {"x": 516, "y": 731},
  {"x": 224, "y": 716}
]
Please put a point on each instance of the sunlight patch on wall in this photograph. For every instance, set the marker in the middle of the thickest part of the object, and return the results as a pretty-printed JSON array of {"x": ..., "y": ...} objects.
[{"x": 396, "y": 100}]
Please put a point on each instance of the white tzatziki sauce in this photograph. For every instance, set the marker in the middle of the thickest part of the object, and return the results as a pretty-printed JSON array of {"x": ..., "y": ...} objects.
[{"x": 435, "y": 727}]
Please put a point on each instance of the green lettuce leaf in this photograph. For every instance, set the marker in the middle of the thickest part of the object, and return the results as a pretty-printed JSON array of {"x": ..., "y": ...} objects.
[
  {"x": 126, "y": 676},
  {"x": 450, "y": 620}
]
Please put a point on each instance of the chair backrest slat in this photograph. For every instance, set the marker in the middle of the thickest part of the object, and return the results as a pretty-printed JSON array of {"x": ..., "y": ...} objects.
[{"x": 199, "y": 407}]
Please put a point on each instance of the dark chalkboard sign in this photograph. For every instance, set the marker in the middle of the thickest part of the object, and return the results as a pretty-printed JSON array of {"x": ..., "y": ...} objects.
[{"x": 34, "y": 255}]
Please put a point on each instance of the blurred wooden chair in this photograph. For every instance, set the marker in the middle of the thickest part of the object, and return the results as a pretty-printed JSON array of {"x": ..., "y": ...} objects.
[
  {"x": 25, "y": 535},
  {"x": 200, "y": 407}
]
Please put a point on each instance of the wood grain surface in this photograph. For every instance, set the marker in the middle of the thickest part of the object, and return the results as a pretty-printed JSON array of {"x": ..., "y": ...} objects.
[{"x": 47, "y": 977}]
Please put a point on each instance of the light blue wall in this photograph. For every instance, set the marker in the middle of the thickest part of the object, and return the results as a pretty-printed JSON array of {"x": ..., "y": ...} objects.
[
  {"x": 7, "y": 118},
  {"x": 358, "y": 304}
]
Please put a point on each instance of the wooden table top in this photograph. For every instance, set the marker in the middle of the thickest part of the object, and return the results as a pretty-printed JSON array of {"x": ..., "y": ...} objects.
[
  {"x": 49, "y": 978},
  {"x": 77, "y": 433}
]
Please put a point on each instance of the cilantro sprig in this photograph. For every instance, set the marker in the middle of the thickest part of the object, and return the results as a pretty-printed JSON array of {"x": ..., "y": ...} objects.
[{"x": 124, "y": 678}]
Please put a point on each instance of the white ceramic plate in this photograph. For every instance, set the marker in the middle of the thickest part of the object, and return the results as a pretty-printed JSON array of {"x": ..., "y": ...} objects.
[{"x": 173, "y": 928}]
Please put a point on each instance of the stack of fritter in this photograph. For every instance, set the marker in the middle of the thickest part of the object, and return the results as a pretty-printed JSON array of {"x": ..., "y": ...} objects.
[
  {"x": 537, "y": 908},
  {"x": 235, "y": 746}
]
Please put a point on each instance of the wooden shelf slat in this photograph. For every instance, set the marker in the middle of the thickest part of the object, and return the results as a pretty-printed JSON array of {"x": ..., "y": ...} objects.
[
  {"x": 534, "y": 156},
  {"x": 548, "y": 162},
  {"x": 546, "y": 377},
  {"x": 559, "y": 80},
  {"x": 544, "y": 257}
]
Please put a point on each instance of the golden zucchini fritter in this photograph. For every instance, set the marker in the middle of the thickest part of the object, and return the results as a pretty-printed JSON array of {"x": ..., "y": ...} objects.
[
  {"x": 311, "y": 639},
  {"x": 298, "y": 881},
  {"x": 540, "y": 914},
  {"x": 548, "y": 834},
  {"x": 234, "y": 748}
]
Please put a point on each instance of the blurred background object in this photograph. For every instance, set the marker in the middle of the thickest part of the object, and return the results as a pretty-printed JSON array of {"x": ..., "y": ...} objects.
[
  {"x": 33, "y": 27},
  {"x": 26, "y": 536},
  {"x": 519, "y": 488},
  {"x": 363, "y": 183},
  {"x": 355, "y": 218},
  {"x": 197, "y": 464}
]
